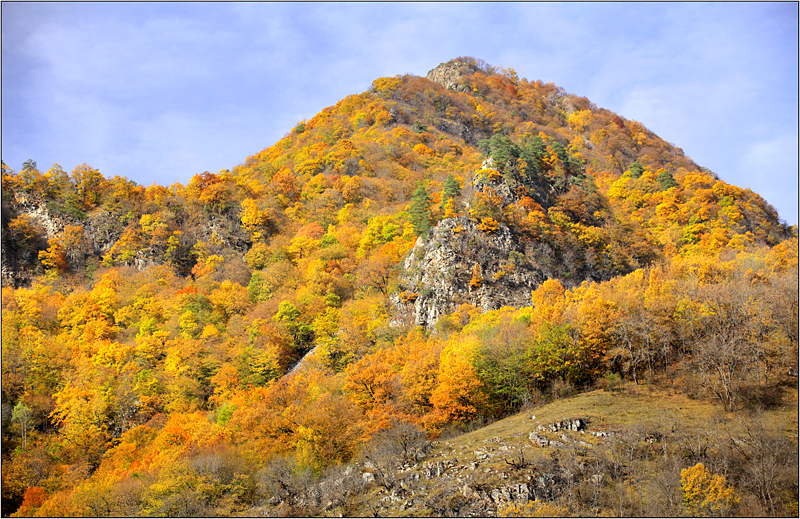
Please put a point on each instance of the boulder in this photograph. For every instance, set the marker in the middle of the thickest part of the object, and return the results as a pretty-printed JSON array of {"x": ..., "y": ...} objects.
[{"x": 539, "y": 440}]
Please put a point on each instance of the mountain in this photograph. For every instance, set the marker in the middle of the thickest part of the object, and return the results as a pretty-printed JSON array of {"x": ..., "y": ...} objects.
[
  {"x": 569, "y": 157},
  {"x": 425, "y": 257}
]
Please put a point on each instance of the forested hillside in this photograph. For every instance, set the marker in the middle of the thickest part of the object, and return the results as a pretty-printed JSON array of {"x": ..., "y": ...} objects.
[{"x": 426, "y": 257}]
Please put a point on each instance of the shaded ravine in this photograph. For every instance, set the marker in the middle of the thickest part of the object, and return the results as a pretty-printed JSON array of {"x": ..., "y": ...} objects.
[{"x": 299, "y": 363}]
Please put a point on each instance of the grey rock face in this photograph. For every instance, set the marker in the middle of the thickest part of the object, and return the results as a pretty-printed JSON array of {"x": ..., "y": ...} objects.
[
  {"x": 576, "y": 424},
  {"x": 463, "y": 261},
  {"x": 440, "y": 272},
  {"x": 449, "y": 74}
]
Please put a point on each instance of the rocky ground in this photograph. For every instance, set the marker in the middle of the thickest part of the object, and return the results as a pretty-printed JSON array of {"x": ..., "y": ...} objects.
[{"x": 587, "y": 451}]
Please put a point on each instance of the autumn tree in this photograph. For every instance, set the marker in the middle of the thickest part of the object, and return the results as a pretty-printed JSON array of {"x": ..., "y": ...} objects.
[
  {"x": 459, "y": 396},
  {"x": 254, "y": 220},
  {"x": 706, "y": 494},
  {"x": 377, "y": 272},
  {"x": 89, "y": 185},
  {"x": 372, "y": 381},
  {"x": 477, "y": 279},
  {"x": 54, "y": 258},
  {"x": 24, "y": 231}
]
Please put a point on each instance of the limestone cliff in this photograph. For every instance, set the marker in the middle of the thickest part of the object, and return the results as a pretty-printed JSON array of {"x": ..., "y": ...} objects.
[
  {"x": 459, "y": 263},
  {"x": 486, "y": 262},
  {"x": 95, "y": 233},
  {"x": 464, "y": 260}
]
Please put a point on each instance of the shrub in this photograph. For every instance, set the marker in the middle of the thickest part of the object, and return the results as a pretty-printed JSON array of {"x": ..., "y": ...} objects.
[
  {"x": 612, "y": 382},
  {"x": 561, "y": 389}
]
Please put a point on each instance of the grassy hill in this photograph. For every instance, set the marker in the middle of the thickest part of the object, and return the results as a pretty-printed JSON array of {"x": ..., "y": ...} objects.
[{"x": 627, "y": 459}]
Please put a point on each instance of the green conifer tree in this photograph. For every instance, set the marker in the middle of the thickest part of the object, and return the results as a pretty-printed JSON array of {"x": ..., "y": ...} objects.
[
  {"x": 421, "y": 210},
  {"x": 636, "y": 170},
  {"x": 451, "y": 190},
  {"x": 666, "y": 180}
]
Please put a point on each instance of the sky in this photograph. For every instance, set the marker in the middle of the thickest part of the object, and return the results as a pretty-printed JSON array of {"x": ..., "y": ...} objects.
[{"x": 157, "y": 91}]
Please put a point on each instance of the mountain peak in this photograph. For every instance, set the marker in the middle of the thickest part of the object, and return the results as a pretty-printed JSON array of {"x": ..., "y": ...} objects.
[{"x": 450, "y": 73}]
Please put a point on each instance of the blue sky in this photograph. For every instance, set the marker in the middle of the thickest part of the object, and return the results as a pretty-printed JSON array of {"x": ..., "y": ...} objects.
[{"x": 157, "y": 92}]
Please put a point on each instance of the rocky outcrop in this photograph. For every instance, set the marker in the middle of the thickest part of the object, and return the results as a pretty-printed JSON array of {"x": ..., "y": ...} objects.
[
  {"x": 477, "y": 478},
  {"x": 575, "y": 424},
  {"x": 460, "y": 263},
  {"x": 477, "y": 261},
  {"x": 450, "y": 74},
  {"x": 100, "y": 230}
]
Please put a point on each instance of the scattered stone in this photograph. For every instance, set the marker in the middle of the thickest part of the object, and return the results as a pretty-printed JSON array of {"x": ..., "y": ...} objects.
[
  {"x": 481, "y": 455},
  {"x": 431, "y": 469},
  {"x": 368, "y": 477}
]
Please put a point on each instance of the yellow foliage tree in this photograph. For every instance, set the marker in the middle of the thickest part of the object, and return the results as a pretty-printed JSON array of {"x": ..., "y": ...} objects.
[
  {"x": 371, "y": 381},
  {"x": 54, "y": 259},
  {"x": 580, "y": 120},
  {"x": 488, "y": 225},
  {"x": 706, "y": 494},
  {"x": 477, "y": 278},
  {"x": 424, "y": 150},
  {"x": 458, "y": 395},
  {"x": 253, "y": 219}
]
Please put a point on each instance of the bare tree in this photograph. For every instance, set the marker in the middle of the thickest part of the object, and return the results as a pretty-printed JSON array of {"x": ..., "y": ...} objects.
[
  {"x": 729, "y": 345},
  {"x": 287, "y": 482},
  {"x": 340, "y": 487},
  {"x": 782, "y": 298},
  {"x": 771, "y": 465}
]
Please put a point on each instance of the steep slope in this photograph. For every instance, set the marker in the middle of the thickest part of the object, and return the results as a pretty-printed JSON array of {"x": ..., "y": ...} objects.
[{"x": 369, "y": 150}]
